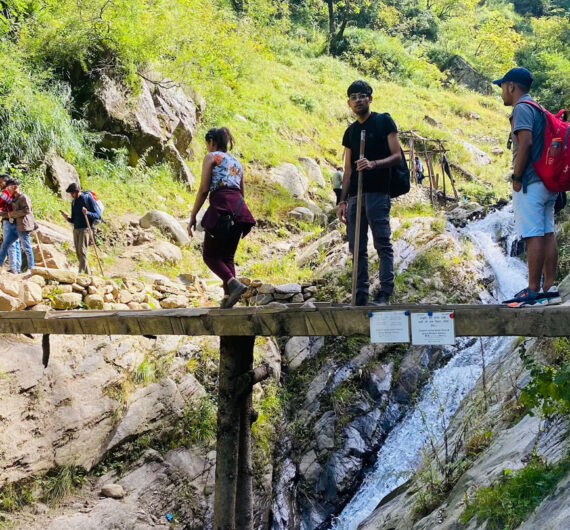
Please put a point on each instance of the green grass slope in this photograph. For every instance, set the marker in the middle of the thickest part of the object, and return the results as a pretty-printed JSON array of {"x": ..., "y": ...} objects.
[{"x": 269, "y": 83}]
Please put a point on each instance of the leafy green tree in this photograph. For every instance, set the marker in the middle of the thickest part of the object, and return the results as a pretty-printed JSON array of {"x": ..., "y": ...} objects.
[{"x": 547, "y": 55}]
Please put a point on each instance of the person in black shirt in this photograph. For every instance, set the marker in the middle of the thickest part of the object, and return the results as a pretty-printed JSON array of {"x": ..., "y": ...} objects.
[{"x": 382, "y": 151}]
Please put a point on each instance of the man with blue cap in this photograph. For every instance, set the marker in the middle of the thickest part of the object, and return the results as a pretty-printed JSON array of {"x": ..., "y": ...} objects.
[{"x": 533, "y": 203}]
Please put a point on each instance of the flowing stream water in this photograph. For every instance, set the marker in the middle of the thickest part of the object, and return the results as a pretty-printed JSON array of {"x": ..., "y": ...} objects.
[{"x": 438, "y": 401}]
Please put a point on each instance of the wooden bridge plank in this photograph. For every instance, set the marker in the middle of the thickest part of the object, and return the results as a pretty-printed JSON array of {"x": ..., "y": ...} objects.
[{"x": 476, "y": 320}]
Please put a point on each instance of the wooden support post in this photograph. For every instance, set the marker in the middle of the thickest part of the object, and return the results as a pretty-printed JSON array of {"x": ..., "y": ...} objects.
[
  {"x": 429, "y": 173},
  {"x": 443, "y": 178},
  {"x": 432, "y": 172},
  {"x": 236, "y": 357},
  {"x": 45, "y": 350},
  {"x": 244, "y": 494}
]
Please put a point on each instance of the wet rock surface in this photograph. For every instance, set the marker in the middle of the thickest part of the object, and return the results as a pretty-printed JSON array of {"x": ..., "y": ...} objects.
[{"x": 347, "y": 409}]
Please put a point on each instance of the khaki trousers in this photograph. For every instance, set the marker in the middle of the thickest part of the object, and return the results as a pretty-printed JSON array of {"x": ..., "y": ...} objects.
[{"x": 81, "y": 242}]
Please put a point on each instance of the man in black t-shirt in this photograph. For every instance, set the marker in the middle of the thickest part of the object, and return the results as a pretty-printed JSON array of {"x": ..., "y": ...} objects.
[{"x": 382, "y": 151}]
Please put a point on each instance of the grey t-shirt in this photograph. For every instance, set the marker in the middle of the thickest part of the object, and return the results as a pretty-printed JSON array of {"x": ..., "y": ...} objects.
[{"x": 526, "y": 117}]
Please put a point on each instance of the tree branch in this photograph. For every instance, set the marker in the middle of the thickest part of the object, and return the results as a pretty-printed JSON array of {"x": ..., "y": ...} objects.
[{"x": 246, "y": 381}]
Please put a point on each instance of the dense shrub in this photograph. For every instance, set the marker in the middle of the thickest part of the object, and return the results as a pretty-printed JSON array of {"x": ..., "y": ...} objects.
[
  {"x": 506, "y": 503},
  {"x": 34, "y": 117},
  {"x": 379, "y": 55}
]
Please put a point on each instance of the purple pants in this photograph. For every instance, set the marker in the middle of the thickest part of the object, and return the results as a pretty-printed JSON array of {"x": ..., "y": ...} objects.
[{"x": 220, "y": 257}]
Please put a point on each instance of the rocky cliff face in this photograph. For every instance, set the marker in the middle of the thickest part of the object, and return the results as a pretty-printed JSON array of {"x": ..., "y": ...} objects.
[
  {"x": 345, "y": 396},
  {"x": 157, "y": 124},
  {"x": 490, "y": 433},
  {"x": 102, "y": 407}
]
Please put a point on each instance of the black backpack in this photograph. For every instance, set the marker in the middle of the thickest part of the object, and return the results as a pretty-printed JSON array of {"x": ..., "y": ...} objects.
[{"x": 400, "y": 177}]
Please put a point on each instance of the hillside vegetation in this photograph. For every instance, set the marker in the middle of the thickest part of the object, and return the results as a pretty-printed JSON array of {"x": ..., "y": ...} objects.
[{"x": 274, "y": 72}]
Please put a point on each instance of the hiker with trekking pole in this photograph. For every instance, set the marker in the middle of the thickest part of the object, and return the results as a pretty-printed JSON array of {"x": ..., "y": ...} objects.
[
  {"x": 84, "y": 213},
  {"x": 371, "y": 149}
]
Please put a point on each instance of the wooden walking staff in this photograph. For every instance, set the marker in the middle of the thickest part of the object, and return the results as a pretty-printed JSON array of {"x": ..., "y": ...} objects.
[
  {"x": 94, "y": 245},
  {"x": 44, "y": 263},
  {"x": 356, "y": 248}
]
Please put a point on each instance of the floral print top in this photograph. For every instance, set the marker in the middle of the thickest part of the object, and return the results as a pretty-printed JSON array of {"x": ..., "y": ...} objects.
[{"x": 227, "y": 171}]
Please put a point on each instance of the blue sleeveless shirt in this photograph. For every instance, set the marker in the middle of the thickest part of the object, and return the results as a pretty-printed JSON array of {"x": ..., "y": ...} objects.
[{"x": 226, "y": 172}]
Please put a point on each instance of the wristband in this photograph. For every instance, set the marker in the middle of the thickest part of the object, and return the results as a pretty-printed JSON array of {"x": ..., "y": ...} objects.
[{"x": 515, "y": 178}]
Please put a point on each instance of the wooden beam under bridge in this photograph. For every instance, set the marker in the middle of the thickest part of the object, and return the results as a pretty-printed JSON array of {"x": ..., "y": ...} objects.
[
  {"x": 289, "y": 320},
  {"x": 237, "y": 328}
]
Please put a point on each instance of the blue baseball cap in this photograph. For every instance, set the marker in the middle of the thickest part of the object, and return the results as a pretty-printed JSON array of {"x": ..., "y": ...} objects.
[{"x": 516, "y": 75}]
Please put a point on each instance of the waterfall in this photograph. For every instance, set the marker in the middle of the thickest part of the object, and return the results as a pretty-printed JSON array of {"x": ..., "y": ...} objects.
[{"x": 438, "y": 401}]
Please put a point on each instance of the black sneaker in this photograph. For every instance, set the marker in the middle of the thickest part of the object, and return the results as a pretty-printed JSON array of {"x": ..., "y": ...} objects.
[
  {"x": 361, "y": 299},
  {"x": 381, "y": 299}
]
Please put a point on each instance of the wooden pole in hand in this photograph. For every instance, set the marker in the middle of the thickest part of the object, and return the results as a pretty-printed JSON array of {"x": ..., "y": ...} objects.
[
  {"x": 356, "y": 248},
  {"x": 94, "y": 245}
]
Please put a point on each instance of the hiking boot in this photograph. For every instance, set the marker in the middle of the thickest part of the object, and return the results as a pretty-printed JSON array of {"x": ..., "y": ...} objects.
[
  {"x": 525, "y": 297},
  {"x": 361, "y": 299},
  {"x": 381, "y": 299},
  {"x": 236, "y": 289},
  {"x": 224, "y": 302},
  {"x": 552, "y": 296}
]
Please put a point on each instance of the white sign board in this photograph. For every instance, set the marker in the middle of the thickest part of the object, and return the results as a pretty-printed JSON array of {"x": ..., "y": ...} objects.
[
  {"x": 389, "y": 326},
  {"x": 433, "y": 328}
]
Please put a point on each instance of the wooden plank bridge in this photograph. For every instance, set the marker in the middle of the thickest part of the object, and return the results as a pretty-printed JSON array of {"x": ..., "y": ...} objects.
[
  {"x": 237, "y": 329},
  {"x": 288, "y": 320}
]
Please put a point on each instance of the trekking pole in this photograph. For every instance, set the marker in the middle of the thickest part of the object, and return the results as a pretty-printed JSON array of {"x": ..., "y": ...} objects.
[
  {"x": 44, "y": 263},
  {"x": 94, "y": 245},
  {"x": 356, "y": 249}
]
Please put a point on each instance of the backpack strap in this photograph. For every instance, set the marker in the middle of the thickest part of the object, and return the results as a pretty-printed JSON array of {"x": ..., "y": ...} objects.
[{"x": 532, "y": 104}]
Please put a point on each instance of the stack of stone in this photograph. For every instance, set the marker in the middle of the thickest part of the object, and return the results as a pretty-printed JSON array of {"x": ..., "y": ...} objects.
[
  {"x": 63, "y": 289},
  {"x": 259, "y": 293},
  {"x": 16, "y": 295}
]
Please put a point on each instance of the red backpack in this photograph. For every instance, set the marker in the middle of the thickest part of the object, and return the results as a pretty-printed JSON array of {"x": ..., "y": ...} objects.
[{"x": 553, "y": 166}]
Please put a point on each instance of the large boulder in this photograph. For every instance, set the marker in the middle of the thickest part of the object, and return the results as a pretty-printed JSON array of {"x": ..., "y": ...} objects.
[
  {"x": 10, "y": 285},
  {"x": 299, "y": 349},
  {"x": 149, "y": 408},
  {"x": 54, "y": 259},
  {"x": 479, "y": 157},
  {"x": 157, "y": 124},
  {"x": 167, "y": 224},
  {"x": 313, "y": 170},
  {"x": 461, "y": 215},
  {"x": 94, "y": 301},
  {"x": 157, "y": 251},
  {"x": 57, "y": 275},
  {"x": 181, "y": 170},
  {"x": 50, "y": 233},
  {"x": 60, "y": 174},
  {"x": 176, "y": 114},
  {"x": 67, "y": 300},
  {"x": 302, "y": 214},
  {"x": 289, "y": 176},
  {"x": 313, "y": 252},
  {"x": 10, "y": 303},
  {"x": 463, "y": 73},
  {"x": 31, "y": 294}
]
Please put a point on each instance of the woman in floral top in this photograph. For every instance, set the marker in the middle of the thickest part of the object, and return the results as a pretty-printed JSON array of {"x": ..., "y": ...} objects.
[{"x": 222, "y": 179}]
